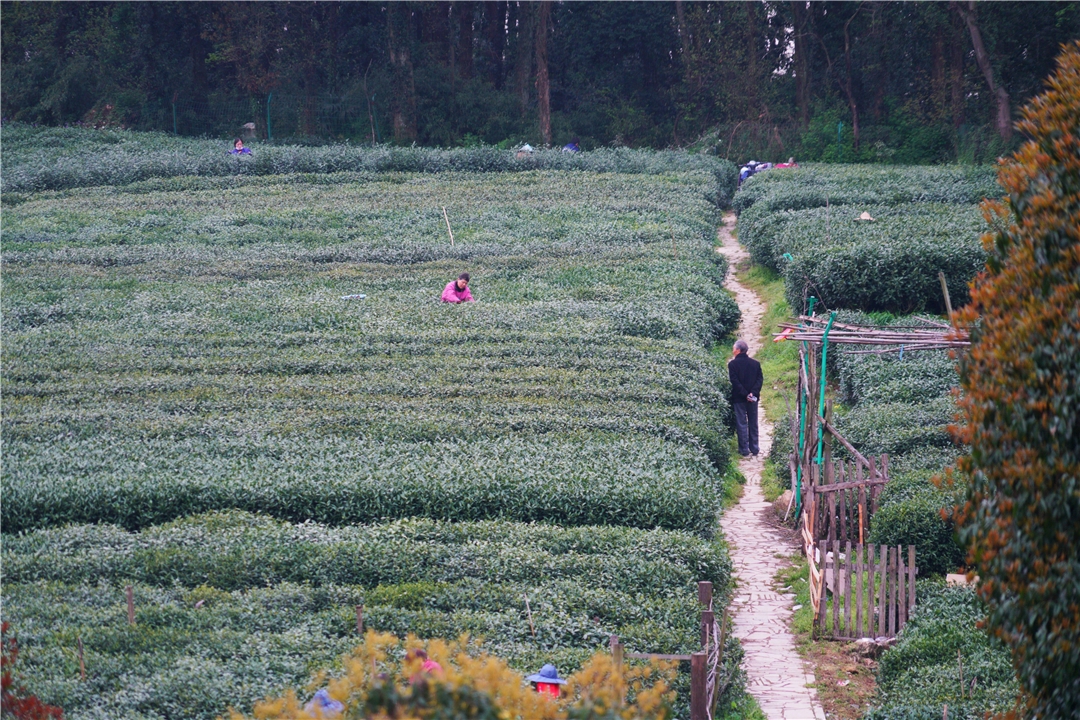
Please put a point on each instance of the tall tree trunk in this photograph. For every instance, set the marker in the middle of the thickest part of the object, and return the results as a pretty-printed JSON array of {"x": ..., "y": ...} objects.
[
  {"x": 524, "y": 55},
  {"x": 1004, "y": 111},
  {"x": 464, "y": 12},
  {"x": 801, "y": 62},
  {"x": 543, "y": 85},
  {"x": 684, "y": 40},
  {"x": 495, "y": 32},
  {"x": 847, "y": 72},
  {"x": 751, "y": 89},
  {"x": 403, "y": 102},
  {"x": 956, "y": 72},
  {"x": 938, "y": 83}
]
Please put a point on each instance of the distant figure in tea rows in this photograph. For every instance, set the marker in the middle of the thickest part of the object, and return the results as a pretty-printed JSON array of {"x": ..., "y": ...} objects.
[{"x": 457, "y": 291}]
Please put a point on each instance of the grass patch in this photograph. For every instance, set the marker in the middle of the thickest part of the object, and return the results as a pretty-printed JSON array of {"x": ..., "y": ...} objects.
[{"x": 773, "y": 484}]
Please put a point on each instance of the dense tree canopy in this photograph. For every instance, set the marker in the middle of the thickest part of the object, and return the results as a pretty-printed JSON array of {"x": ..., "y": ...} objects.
[
  {"x": 1021, "y": 403},
  {"x": 909, "y": 81}
]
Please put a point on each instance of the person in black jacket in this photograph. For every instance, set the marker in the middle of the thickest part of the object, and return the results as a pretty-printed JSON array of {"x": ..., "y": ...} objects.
[{"x": 745, "y": 375}]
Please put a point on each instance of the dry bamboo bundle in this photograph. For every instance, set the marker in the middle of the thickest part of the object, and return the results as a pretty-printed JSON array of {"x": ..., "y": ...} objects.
[{"x": 933, "y": 335}]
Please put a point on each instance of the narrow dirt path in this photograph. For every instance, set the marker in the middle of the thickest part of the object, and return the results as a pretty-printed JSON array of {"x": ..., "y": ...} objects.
[{"x": 776, "y": 675}]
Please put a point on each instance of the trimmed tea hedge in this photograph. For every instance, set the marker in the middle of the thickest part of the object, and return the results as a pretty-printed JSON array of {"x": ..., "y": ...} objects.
[
  {"x": 182, "y": 345},
  {"x": 231, "y": 607},
  {"x": 902, "y": 406},
  {"x": 817, "y": 185},
  {"x": 38, "y": 158},
  {"x": 805, "y": 223},
  {"x": 238, "y": 550},
  {"x": 921, "y": 674}
]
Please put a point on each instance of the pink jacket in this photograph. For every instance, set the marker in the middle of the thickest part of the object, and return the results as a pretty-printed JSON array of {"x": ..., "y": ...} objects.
[{"x": 451, "y": 294}]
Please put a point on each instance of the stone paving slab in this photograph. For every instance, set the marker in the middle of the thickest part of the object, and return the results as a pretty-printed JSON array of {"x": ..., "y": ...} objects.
[{"x": 776, "y": 676}]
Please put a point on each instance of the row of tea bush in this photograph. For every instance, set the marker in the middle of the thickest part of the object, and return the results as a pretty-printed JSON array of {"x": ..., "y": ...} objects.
[
  {"x": 231, "y": 607},
  {"x": 810, "y": 225},
  {"x": 45, "y": 158},
  {"x": 182, "y": 345}
]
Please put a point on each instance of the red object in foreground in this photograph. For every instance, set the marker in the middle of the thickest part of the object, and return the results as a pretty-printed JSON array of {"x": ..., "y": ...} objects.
[
  {"x": 550, "y": 688},
  {"x": 13, "y": 699}
]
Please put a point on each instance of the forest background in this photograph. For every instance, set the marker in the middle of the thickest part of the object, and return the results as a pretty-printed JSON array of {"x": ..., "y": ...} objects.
[{"x": 889, "y": 82}]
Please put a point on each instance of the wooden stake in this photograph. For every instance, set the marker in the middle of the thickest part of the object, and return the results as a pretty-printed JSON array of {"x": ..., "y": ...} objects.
[
  {"x": 447, "y": 219},
  {"x": 82, "y": 663},
  {"x": 360, "y": 620},
  {"x": 960, "y": 660},
  {"x": 945, "y": 292},
  {"x": 528, "y": 609},
  {"x": 673, "y": 250},
  {"x": 698, "y": 682},
  {"x": 616, "y": 651},
  {"x": 130, "y": 592}
]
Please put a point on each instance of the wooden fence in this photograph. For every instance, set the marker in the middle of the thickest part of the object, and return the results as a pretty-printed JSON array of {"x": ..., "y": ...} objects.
[
  {"x": 866, "y": 590},
  {"x": 846, "y": 497},
  {"x": 856, "y": 590}
]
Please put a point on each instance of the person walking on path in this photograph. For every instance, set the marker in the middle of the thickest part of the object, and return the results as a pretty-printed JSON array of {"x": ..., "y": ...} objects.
[
  {"x": 746, "y": 378},
  {"x": 457, "y": 291}
]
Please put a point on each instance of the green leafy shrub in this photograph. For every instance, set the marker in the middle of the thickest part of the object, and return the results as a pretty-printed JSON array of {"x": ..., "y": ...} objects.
[
  {"x": 913, "y": 516},
  {"x": 898, "y": 428},
  {"x": 806, "y": 224},
  {"x": 39, "y": 158},
  {"x": 816, "y": 185},
  {"x": 239, "y": 606},
  {"x": 921, "y": 673},
  {"x": 138, "y": 483}
]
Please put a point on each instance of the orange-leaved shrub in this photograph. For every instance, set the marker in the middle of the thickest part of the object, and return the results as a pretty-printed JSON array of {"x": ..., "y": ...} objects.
[
  {"x": 1020, "y": 519},
  {"x": 383, "y": 679}
]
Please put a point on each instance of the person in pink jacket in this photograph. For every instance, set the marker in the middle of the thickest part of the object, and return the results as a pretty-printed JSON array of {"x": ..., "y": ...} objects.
[{"x": 457, "y": 291}]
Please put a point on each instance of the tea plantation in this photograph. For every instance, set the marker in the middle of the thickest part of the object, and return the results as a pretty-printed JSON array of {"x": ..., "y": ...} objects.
[{"x": 194, "y": 406}]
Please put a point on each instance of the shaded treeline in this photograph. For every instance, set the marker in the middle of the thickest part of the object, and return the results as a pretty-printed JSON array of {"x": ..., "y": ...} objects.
[{"x": 909, "y": 81}]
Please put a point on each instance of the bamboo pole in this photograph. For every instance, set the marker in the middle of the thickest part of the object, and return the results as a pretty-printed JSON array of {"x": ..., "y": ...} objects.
[{"x": 447, "y": 219}]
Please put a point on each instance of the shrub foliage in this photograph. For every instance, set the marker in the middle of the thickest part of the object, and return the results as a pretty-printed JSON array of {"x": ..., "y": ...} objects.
[{"x": 1021, "y": 380}]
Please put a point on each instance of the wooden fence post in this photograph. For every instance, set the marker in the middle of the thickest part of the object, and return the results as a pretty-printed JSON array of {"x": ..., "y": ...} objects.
[
  {"x": 360, "y": 620},
  {"x": 616, "y": 651},
  {"x": 704, "y": 593},
  {"x": 698, "y": 689},
  {"x": 82, "y": 663}
]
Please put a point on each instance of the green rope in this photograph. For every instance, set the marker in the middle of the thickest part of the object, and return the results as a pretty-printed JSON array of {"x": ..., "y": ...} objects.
[
  {"x": 821, "y": 396},
  {"x": 803, "y": 399}
]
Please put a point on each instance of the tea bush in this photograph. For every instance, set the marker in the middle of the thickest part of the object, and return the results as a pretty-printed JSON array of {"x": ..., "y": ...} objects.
[
  {"x": 237, "y": 550},
  {"x": 817, "y": 185},
  {"x": 804, "y": 223},
  {"x": 39, "y": 158},
  {"x": 921, "y": 674},
  {"x": 902, "y": 406},
  {"x": 644, "y": 482},
  {"x": 182, "y": 345},
  {"x": 231, "y": 607}
]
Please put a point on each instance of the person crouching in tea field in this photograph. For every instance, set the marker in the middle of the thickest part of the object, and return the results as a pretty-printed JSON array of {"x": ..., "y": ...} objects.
[
  {"x": 746, "y": 379},
  {"x": 457, "y": 291},
  {"x": 238, "y": 148}
]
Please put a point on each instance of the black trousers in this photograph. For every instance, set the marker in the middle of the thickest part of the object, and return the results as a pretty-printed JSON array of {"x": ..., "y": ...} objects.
[{"x": 746, "y": 427}]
